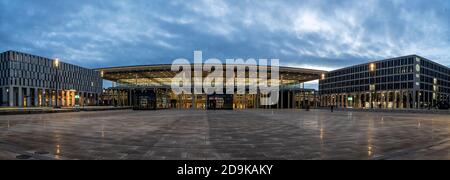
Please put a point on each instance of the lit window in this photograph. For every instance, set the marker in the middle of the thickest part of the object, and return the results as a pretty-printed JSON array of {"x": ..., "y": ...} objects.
[{"x": 372, "y": 66}]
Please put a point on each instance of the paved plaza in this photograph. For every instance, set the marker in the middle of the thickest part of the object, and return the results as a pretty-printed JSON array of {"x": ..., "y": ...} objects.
[{"x": 226, "y": 135}]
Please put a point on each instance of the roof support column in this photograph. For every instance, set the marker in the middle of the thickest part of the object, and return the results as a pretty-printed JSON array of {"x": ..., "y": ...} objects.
[{"x": 194, "y": 101}]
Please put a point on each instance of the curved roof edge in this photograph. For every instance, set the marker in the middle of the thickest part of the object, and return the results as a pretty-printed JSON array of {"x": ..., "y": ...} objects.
[{"x": 168, "y": 67}]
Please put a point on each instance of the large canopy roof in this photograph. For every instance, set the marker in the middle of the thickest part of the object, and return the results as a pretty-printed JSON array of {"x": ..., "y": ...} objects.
[{"x": 161, "y": 75}]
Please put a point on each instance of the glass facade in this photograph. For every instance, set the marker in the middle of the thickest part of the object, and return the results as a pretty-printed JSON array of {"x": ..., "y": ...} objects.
[{"x": 164, "y": 98}]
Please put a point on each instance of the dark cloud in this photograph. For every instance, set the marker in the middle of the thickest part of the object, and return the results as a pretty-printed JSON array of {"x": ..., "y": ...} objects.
[{"x": 317, "y": 34}]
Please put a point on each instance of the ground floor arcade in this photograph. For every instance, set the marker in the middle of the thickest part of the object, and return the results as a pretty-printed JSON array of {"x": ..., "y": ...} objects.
[
  {"x": 41, "y": 97},
  {"x": 401, "y": 99},
  {"x": 164, "y": 98}
]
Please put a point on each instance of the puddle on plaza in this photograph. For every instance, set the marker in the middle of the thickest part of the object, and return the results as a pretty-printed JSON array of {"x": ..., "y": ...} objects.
[
  {"x": 58, "y": 152},
  {"x": 369, "y": 151},
  {"x": 321, "y": 135},
  {"x": 5, "y": 124},
  {"x": 103, "y": 131},
  {"x": 370, "y": 131}
]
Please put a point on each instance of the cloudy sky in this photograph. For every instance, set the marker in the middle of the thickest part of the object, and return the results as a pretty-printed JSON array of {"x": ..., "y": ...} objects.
[{"x": 312, "y": 34}]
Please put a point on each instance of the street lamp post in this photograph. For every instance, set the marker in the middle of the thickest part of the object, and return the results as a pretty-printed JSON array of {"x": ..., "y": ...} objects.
[
  {"x": 305, "y": 106},
  {"x": 56, "y": 66},
  {"x": 7, "y": 98}
]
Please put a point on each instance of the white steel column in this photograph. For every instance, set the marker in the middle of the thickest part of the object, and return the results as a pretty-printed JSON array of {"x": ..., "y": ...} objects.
[
  {"x": 194, "y": 101},
  {"x": 50, "y": 97},
  {"x": 20, "y": 99},
  {"x": 11, "y": 96},
  {"x": 28, "y": 94},
  {"x": 408, "y": 100},
  {"x": 36, "y": 97}
]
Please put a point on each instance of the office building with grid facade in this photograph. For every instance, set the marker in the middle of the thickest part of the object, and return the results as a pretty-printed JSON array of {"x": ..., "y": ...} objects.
[
  {"x": 32, "y": 81},
  {"x": 411, "y": 82}
]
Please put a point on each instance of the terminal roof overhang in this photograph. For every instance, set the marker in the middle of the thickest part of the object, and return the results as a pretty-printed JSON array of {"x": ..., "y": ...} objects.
[{"x": 158, "y": 74}]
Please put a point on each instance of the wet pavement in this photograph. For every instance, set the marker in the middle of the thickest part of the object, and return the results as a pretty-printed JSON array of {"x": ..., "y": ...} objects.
[{"x": 248, "y": 134}]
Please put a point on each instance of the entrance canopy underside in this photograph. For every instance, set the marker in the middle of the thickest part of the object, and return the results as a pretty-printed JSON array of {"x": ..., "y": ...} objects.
[{"x": 161, "y": 75}]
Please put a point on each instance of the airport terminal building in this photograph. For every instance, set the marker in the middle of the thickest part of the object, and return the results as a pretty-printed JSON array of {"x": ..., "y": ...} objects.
[
  {"x": 409, "y": 82},
  {"x": 149, "y": 87},
  {"x": 32, "y": 81},
  {"x": 405, "y": 82}
]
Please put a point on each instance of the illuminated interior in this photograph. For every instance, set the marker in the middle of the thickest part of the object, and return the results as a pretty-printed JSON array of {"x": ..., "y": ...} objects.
[{"x": 158, "y": 79}]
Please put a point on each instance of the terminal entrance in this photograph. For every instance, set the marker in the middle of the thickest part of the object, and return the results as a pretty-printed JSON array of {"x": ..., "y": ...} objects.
[
  {"x": 164, "y": 98},
  {"x": 220, "y": 102},
  {"x": 144, "y": 100}
]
